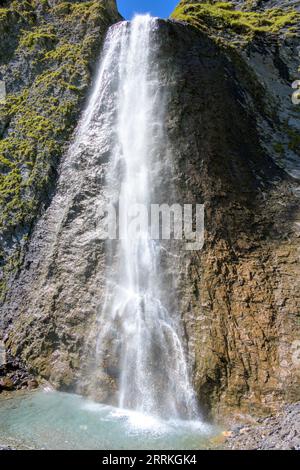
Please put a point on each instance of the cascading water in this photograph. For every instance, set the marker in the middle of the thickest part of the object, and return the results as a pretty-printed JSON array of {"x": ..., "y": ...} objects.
[
  {"x": 120, "y": 152},
  {"x": 139, "y": 340}
]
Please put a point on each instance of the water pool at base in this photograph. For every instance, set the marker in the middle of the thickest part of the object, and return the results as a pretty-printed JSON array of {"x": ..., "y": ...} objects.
[{"x": 55, "y": 420}]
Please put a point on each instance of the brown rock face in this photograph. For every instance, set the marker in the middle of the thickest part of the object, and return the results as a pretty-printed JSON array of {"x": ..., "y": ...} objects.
[
  {"x": 241, "y": 292},
  {"x": 279, "y": 432}
]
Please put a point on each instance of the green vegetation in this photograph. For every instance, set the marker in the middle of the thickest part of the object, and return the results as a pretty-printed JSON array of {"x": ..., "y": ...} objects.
[{"x": 222, "y": 16}]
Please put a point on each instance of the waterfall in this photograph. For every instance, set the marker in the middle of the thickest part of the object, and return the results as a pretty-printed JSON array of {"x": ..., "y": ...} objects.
[{"x": 140, "y": 355}]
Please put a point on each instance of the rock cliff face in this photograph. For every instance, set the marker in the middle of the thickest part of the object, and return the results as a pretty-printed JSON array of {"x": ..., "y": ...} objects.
[
  {"x": 245, "y": 283},
  {"x": 234, "y": 135},
  {"x": 48, "y": 53}
]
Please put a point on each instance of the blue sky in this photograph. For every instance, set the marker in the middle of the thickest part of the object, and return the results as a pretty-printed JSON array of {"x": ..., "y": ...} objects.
[{"x": 161, "y": 8}]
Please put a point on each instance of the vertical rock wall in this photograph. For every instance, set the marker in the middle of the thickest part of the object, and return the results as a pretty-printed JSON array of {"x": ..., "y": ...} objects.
[{"x": 233, "y": 133}]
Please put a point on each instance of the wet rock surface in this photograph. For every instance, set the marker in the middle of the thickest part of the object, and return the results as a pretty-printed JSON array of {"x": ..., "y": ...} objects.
[{"x": 279, "y": 432}]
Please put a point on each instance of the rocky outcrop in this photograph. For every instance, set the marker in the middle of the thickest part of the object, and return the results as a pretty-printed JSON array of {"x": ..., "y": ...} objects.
[
  {"x": 279, "y": 432},
  {"x": 233, "y": 132},
  {"x": 48, "y": 53}
]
